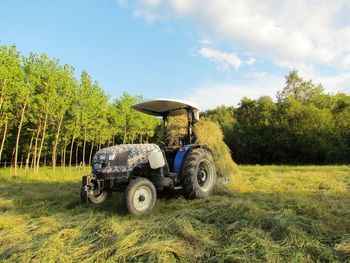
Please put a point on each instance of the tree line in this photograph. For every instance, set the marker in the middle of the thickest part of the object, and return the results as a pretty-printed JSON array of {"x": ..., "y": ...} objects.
[
  {"x": 48, "y": 116},
  {"x": 303, "y": 125}
]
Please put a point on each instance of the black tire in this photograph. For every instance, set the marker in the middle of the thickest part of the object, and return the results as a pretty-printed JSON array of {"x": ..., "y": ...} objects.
[
  {"x": 93, "y": 199},
  {"x": 140, "y": 196},
  {"x": 199, "y": 174},
  {"x": 83, "y": 196}
]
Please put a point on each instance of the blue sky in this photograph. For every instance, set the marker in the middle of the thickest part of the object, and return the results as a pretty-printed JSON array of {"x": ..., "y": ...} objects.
[{"x": 211, "y": 52}]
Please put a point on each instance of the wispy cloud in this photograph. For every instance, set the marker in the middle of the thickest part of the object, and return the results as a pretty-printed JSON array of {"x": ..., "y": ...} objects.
[
  {"x": 314, "y": 32},
  {"x": 251, "y": 61},
  {"x": 309, "y": 36},
  {"x": 211, "y": 95},
  {"x": 223, "y": 59}
]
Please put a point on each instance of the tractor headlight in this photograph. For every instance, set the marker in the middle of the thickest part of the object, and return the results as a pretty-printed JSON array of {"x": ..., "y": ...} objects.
[
  {"x": 103, "y": 157},
  {"x": 97, "y": 166},
  {"x": 111, "y": 157}
]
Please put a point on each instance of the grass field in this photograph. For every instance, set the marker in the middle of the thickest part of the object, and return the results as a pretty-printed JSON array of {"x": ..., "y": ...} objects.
[{"x": 268, "y": 214}]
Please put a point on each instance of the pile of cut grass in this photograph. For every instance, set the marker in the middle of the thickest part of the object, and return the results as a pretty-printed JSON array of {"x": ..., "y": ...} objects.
[
  {"x": 176, "y": 129},
  {"x": 280, "y": 214},
  {"x": 209, "y": 133}
]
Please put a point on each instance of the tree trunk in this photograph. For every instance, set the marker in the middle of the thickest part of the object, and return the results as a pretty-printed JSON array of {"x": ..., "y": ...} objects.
[
  {"x": 54, "y": 149},
  {"x": 61, "y": 156},
  {"x": 21, "y": 163},
  {"x": 42, "y": 142},
  {"x": 84, "y": 146},
  {"x": 64, "y": 154},
  {"x": 2, "y": 97},
  {"x": 113, "y": 139},
  {"x": 36, "y": 147},
  {"x": 13, "y": 156},
  {"x": 76, "y": 154},
  {"x": 3, "y": 140},
  {"x": 91, "y": 150},
  {"x": 18, "y": 135},
  {"x": 29, "y": 153},
  {"x": 124, "y": 138},
  {"x": 71, "y": 151}
]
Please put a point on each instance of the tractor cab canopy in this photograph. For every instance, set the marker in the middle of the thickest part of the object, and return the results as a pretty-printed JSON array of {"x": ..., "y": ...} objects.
[{"x": 167, "y": 107}]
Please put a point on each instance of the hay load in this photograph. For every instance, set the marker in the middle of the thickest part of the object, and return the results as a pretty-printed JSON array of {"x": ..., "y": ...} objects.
[{"x": 208, "y": 133}]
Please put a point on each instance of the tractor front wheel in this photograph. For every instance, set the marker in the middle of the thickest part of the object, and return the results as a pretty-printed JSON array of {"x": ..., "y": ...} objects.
[
  {"x": 140, "y": 196},
  {"x": 199, "y": 174},
  {"x": 93, "y": 198},
  {"x": 90, "y": 195}
]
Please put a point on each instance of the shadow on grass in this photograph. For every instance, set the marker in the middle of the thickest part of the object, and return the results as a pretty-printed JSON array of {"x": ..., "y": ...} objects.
[{"x": 35, "y": 198}]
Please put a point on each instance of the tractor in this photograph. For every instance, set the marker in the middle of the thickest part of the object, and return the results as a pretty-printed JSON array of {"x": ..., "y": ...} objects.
[{"x": 142, "y": 170}]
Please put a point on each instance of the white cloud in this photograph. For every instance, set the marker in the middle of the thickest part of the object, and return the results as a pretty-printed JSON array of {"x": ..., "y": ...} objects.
[
  {"x": 211, "y": 95},
  {"x": 305, "y": 35},
  {"x": 251, "y": 61},
  {"x": 224, "y": 59},
  {"x": 314, "y": 32},
  {"x": 333, "y": 83}
]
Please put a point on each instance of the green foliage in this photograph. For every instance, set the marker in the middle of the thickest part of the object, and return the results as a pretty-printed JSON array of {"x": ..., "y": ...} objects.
[
  {"x": 133, "y": 125},
  {"x": 225, "y": 117},
  {"x": 46, "y": 112},
  {"x": 305, "y": 125},
  {"x": 48, "y": 116},
  {"x": 278, "y": 214}
]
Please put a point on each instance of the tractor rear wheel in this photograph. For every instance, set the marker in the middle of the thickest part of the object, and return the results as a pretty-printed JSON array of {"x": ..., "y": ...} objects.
[
  {"x": 199, "y": 174},
  {"x": 140, "y": 196}
]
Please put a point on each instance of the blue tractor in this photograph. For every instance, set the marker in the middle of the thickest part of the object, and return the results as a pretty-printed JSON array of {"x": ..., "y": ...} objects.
[{"x": 142, "y": 170}]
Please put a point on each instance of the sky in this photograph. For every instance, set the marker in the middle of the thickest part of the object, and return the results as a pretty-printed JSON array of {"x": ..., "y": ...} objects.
[{"x": 210, "y": 52}]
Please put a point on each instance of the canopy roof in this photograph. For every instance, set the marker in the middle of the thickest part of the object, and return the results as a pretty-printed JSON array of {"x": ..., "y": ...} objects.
[{"x": 165, "y": 107}]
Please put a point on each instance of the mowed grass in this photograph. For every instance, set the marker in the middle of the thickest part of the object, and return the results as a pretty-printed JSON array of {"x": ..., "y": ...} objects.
[{"x": 268, "y": 214}]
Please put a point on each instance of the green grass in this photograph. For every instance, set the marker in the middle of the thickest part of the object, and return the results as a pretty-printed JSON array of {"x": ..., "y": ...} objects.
[{"x": 269, "y": 214}]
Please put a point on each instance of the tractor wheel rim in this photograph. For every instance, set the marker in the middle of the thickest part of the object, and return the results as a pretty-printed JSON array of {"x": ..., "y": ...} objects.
[
  {"x": 205, "y": 175},
  {"x": 98, "y": 198},
  {"x": 142, "y": 198}
]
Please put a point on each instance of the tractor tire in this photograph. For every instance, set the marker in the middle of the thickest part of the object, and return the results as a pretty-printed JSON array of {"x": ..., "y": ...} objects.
[
  {"x": 199, "y": 174},
  {"x": 95, "y": 199},
  {"x": 83, "y": 196},
  {"x": 140, "y": 196}
]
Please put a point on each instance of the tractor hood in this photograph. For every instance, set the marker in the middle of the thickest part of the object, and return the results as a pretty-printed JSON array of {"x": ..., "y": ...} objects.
[
  {"x": 165, "y": 107},
  {"x": 121, "y": 158}
]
